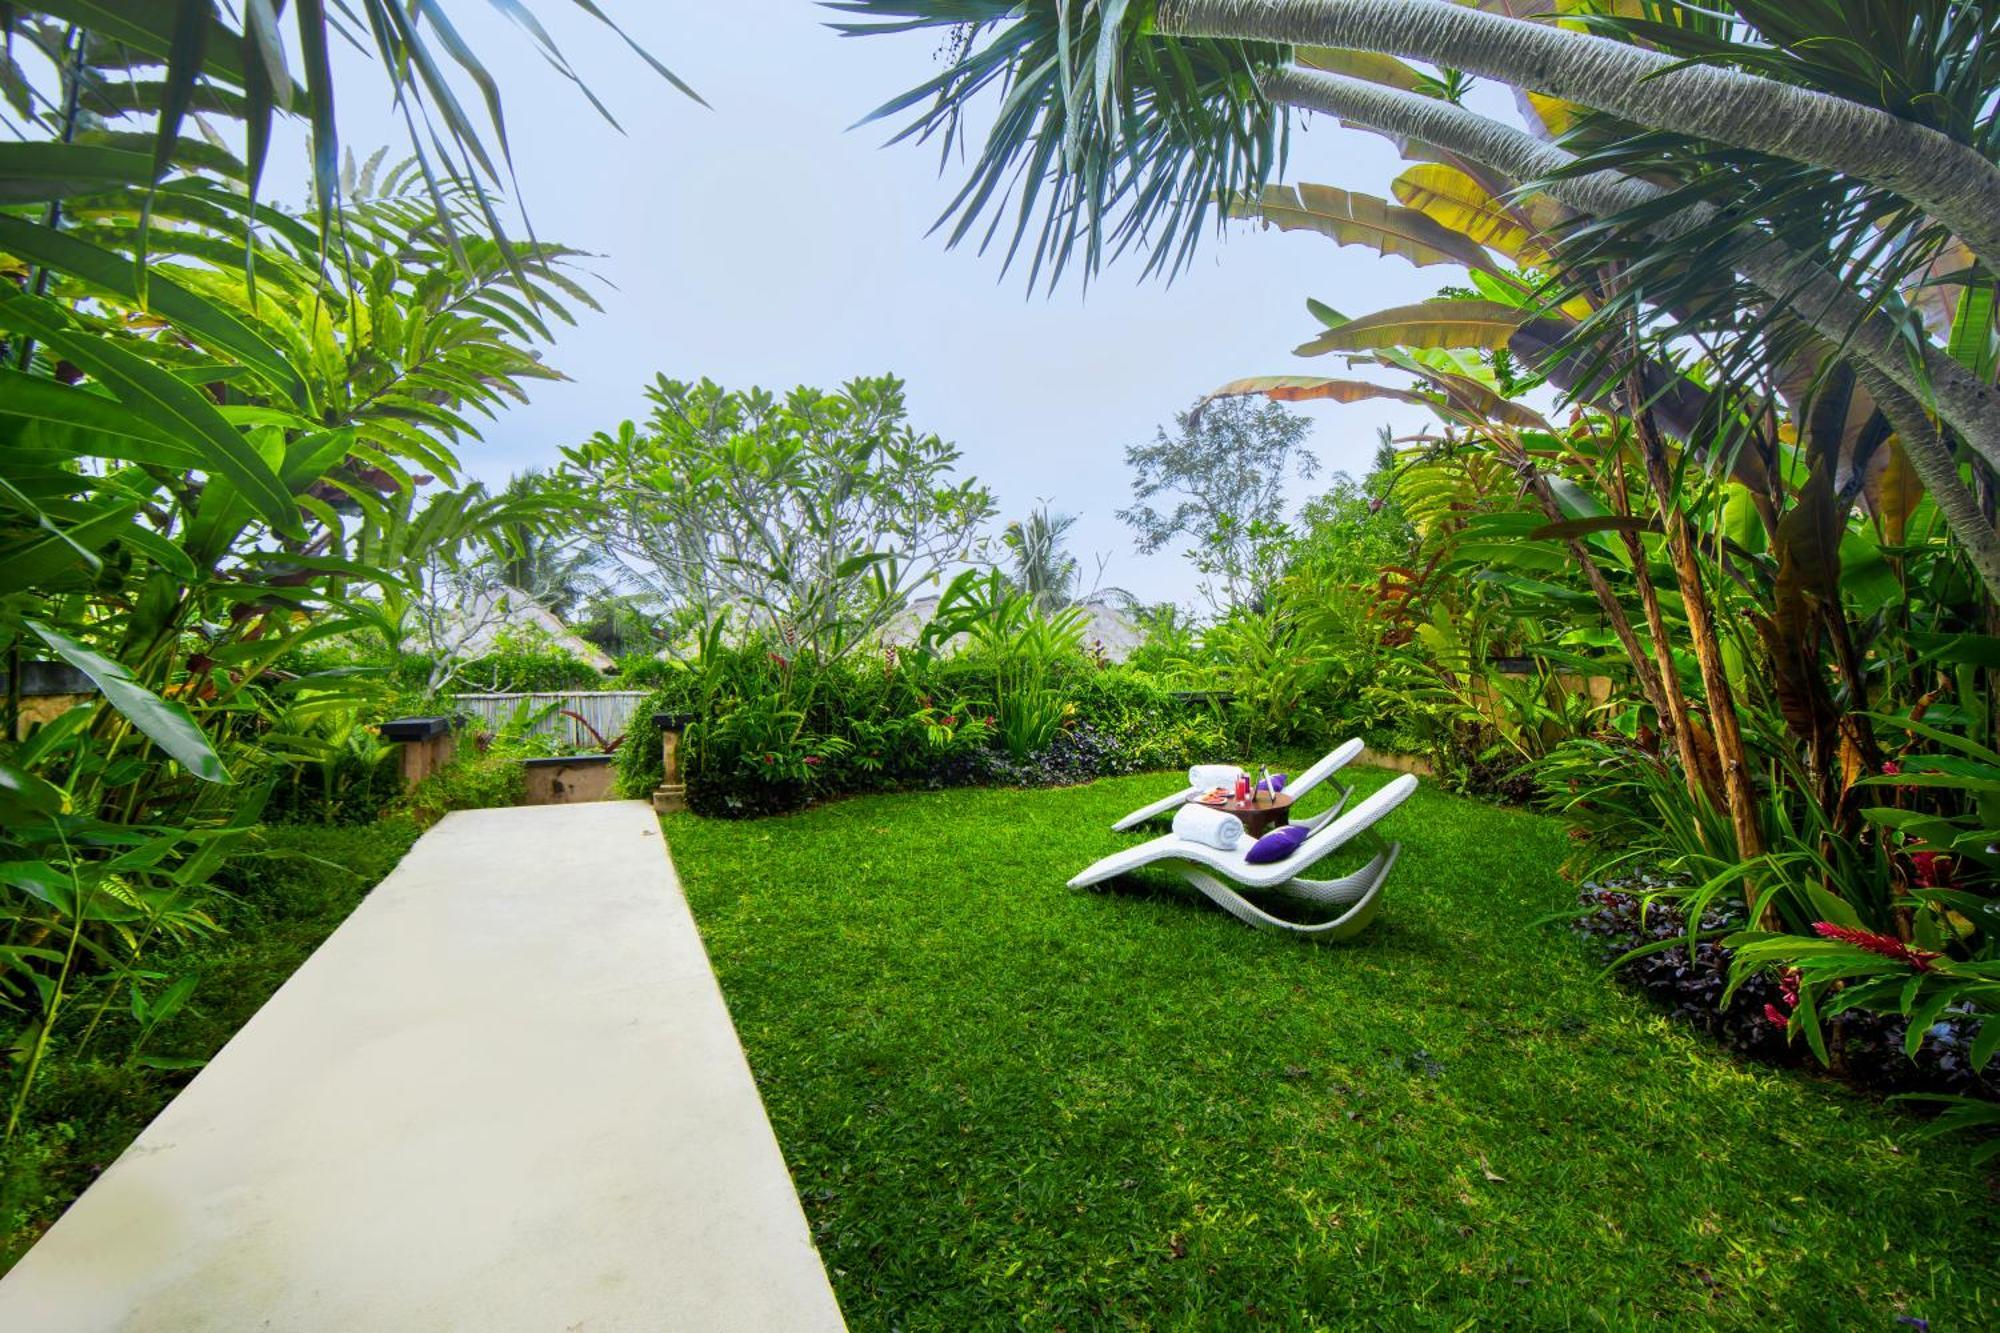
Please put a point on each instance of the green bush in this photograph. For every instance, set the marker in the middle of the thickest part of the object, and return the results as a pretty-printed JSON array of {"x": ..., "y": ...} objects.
[
  {"x": 476, "y": 782},
  {"x": 288, "y": 888},
  {"x": 771, "y": 734}
]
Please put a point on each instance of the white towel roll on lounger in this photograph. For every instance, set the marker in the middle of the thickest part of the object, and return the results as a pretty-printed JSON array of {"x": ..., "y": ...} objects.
[
  {"x": 1204, "y": 776},
  {"x": 1199, "y": 823}
]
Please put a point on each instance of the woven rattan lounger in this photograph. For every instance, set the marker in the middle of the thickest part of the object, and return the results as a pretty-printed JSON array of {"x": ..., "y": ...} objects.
[
  {"x": 1222, "y": 876},
  {"x": 1340, "y": 758}
]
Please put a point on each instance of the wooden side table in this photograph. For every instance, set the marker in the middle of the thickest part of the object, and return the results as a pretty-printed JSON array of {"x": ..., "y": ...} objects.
[{"x": 1259, "y": 816}]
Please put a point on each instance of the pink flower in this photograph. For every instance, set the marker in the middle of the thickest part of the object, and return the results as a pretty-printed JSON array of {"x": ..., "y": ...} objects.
[
  {"x": 814, "y": 760},
  {"x": 1887, "y": 946},
  {"x": 1773, "y": 1014},
  {"x": 1890, "y": 768}
]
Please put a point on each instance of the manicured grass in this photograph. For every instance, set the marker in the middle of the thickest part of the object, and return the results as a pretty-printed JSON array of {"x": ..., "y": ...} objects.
[{"x": 1006, "y": 1104}]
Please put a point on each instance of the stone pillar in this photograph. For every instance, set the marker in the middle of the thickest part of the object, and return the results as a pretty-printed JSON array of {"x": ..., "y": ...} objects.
[
  {"x": 47, "y": 691},
  {"x": 427, "y": 745},
  {"x": 672, "y": 792}
]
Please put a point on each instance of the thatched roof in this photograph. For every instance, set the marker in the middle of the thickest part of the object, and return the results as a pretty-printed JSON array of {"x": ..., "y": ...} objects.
[{"x": 1109, "y": 628}]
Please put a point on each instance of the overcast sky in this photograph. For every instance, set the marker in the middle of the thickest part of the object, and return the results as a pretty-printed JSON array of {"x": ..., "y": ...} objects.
[{"x": 764, "y": 242}]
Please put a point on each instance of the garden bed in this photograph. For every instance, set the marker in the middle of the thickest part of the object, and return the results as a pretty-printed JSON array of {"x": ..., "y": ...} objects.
[{"x": 1006, "y": 1103}]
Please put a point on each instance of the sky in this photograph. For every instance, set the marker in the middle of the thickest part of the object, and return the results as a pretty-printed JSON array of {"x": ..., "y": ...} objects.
[{"x": 764, "y": 241}]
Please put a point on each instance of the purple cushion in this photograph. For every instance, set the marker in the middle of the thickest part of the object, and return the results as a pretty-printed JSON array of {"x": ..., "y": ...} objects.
[
  {"x": 1276, "y": 784},
  {"x": 1277, "y": 844}
]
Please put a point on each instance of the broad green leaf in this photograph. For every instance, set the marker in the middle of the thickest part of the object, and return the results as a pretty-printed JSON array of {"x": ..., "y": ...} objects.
[
  {"x": 105, "y": 429},
  {"x": 148, "y": 25},
  {"x": 1366, "y": 65},
  {"x": 166, "y": 723},
  {"x": 42, "y": 561},
  {"x": 23, "y": 794},
  {"x": 1304, "y": 388},
  {"x": 1982, "y": 650},
  {"x": 1362, "y": 219},
  {"x": 147, "y": 389},
  {"x": 1450, "y": 324},
  {"x": 1455, "y": 200},
  {"x": 206, "y": 322},
  {"x": 32, "y": 172}
]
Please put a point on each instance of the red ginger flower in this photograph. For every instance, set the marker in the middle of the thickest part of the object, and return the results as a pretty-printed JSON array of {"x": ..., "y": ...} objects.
[
  {"x": 1933, "y": 869},
  {"x": 1888, "y": 946}
]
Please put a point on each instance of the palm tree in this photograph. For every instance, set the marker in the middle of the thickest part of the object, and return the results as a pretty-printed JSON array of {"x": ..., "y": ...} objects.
[
  {"x": 555, "y": 568},
  {"x": 1040, "y": 566},
  {"x": 222, "y": 66},
  {"x": 1094, "y": 132},
  {"x": 1949, "y": 179}
]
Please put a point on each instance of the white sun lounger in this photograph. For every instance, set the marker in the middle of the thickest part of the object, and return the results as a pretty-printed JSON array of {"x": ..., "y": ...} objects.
[
  {"x": 1340, "y": 758},
  {"x": 1201, "y": 865}
]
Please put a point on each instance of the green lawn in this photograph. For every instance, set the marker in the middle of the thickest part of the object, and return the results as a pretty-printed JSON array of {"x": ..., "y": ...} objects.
[{"x": 1008, "y": 1104}]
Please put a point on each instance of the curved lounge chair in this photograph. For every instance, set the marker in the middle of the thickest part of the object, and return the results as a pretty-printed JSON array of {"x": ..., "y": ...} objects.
[
  {"x": 1343, "y": 755},
  {"x": 1207, "y": 868}
]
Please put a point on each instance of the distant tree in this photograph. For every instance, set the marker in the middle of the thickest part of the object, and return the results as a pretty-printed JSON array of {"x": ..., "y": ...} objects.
[
  {"x": 814, "y": 515},
  {"x": 1224, "y": 475},
  {"x": 560, "y": 570},
  {"x": 1038, "y": 561}
]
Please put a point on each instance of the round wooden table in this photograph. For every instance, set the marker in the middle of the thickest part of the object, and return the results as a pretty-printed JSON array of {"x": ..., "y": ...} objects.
[{"x": 1259, "y": 816}]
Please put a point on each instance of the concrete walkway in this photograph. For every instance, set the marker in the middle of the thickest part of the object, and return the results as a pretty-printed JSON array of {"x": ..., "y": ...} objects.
[{"x": 504, "y": 1095}]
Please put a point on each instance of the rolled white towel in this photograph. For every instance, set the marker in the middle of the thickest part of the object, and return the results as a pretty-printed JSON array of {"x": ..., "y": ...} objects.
[
  {"x": 1198, "y": 823},
  {"x": 1204, "y": 776}
]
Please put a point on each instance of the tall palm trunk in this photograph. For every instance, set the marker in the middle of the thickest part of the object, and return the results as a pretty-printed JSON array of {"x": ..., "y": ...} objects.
[
  {"x": 1954, "y": 183},
  {"x": 1815, "y": 296},
  {"x": 1930, "y": 458}
]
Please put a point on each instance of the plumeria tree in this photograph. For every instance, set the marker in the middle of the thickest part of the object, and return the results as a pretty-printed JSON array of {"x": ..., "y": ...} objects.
[{"x": 812, "y": 517}]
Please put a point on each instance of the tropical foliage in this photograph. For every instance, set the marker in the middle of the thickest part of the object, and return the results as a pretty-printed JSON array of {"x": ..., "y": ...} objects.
[
  {"x": 220, "y": 418},
  {"x": 1749, "y": 578}
]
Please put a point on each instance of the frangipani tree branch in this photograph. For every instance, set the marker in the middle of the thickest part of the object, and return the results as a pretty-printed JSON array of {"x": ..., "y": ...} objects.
[
  {"x": 1954, "y": 183},
  {"x": 1816, "y": 297}
]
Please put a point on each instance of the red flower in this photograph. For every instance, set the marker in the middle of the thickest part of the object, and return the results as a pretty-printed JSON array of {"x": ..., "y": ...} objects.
[
  {"x": 777, "y": 659},
  {"x": 1890, "y": 768},
  {"x": 770, "y": 758},
  {"x": 951, "y": 719},
  {"x": 1888, "y": 946},
  {"x": 1788, "y": 992},
  {"x": 1933, "y": 869},
  {"x": 814, "y": 760}
]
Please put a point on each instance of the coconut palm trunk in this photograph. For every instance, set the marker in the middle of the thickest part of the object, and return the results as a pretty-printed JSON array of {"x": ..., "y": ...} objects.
[
  {"x": 1930, "y": 457},
  {"x": 1816, "y": 297},
  {"x": 1955, "y": 184}
]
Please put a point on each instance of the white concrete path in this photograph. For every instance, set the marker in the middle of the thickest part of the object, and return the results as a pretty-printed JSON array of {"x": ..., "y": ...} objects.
[{"x": 504, "y": 1095}]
